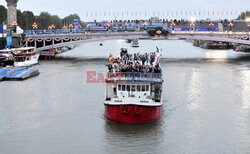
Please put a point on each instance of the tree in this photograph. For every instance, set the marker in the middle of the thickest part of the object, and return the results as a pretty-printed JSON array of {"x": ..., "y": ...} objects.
[
  {"x": 44, "y": 20},
  {"x": 56, "y": 21},
  {"x": 3, "y": 14},
  {"x": 28, "y": 19},
  {"x": 19, "y": 18},
  {"x": 69, "y": 19},
  {"x": 244, "y": 15}
]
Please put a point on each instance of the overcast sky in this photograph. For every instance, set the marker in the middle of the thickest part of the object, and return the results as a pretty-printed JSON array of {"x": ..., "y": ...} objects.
[{"x": 168, "y": 8}]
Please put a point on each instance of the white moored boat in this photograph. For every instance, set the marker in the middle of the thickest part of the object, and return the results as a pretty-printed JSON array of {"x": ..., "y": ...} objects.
[
  {"x": 6, "y": 57},
  {"x": 26, "y": 56}
]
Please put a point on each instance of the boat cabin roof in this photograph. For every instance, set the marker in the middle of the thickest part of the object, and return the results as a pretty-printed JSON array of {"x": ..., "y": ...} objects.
[
  {"x": 7, "y": 50},
  {"x": 17, "y": 49},
  {"x": 25, "y": 48}
]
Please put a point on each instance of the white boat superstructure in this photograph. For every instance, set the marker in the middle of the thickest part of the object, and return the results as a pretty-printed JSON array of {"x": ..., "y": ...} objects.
[
  {"x": 135, "y": 89},
  {"x": 26, "y": 56},
  {"x": 6, "y": 57}
]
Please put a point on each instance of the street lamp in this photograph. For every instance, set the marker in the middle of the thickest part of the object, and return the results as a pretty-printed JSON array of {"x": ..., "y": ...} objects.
[
  {"x": 248, "y": 26},
  {"x": 172, "y": 25},
  {"x": 145, "y": 25},
  {"x": 34, "y": 26},
  {"x": 211, "y": 25},
  {"x": 192, "y": 26},
  {"x": 53, "y": 26},
  {"x": 71, "y": 27},
  {"x": 65, "y": 27},
  {"x": 231, "y": 26},
  {"x": 14, "y": 25}
]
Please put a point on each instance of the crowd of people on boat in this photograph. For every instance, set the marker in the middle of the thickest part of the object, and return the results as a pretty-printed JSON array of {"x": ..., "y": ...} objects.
[{"x": 139, "y": 63}]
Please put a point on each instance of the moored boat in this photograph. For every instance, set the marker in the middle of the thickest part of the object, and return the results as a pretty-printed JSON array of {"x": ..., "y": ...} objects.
[
  {"x": 6, "y": 58},
  {"x": 26, "y": 56}
]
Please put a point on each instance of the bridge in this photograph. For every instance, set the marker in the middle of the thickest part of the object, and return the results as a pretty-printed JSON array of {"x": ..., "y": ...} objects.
[
  {"x": 134, "y": 29},
  {"x": 46, "y": 41},
  {"x": 242, "y": 38}
]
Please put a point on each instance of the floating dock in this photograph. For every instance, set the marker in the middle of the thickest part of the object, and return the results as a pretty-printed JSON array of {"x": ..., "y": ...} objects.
[
  {"x": 5, "y": 71},
  {"x": 17, "y": 73}
]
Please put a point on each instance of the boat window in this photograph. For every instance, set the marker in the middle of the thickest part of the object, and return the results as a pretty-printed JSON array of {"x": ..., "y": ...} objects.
[
  {"x": 147, "y": 87},
  {"x": 138, "y": 88},
  {"x": 123, "y": 87},
  {"x": 133, "y": 88},
  {"x": 143, "y": 88},
  {"x": 128, "y": 87},
  {"x": 119, "y": 87},
  {"x": 153, "y": 87}
]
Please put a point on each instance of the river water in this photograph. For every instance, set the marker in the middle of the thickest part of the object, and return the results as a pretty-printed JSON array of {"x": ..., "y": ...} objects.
[{"x": 206, "y": 97}]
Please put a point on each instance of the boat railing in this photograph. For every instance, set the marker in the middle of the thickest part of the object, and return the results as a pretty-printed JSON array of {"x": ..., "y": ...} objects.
[{"x": 135, "y": 75}]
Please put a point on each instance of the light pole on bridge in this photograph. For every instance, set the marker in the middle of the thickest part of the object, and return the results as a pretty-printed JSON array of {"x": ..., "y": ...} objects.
[
  {"x": 14, "y": 25},
  {"x": 34, "y": 26},
  {"x": 172, "y": 25},
  {"x": 71, "y": 28},
  {"x": 231, "y": 25},
  {"x": 192, "y": 25},
  {"x": 211, "y": 25}
]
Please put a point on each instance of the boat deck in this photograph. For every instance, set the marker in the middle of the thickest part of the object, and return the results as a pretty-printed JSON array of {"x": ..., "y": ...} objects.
[{"x": 135, "y": 77}]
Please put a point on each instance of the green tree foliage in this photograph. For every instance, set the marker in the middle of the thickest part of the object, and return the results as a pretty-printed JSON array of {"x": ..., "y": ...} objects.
[
  {"x": 26, "y": 19},
  {"x": 3, "y": 14},
  {"x": 69, "y": 19},
  {"x": 44, "y": 20},
  {"x": 244, "y": 15},
  {"x": 19, "y": 18},
  {"x": 56, "y": 21}
]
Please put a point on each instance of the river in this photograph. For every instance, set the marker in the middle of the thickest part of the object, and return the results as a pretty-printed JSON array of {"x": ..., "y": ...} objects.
[{"x": 206, "y": 97}]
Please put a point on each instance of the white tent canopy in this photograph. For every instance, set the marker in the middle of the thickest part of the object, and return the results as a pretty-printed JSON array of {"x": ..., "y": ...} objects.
[{"x": 19, "y": 30}]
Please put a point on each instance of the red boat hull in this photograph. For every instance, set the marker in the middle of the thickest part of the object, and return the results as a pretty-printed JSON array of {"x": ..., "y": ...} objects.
[{"x": 131, "y": 114}]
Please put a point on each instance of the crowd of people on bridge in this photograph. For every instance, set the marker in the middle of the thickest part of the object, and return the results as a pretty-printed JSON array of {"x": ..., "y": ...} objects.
[{"x": 139, "y": 63}]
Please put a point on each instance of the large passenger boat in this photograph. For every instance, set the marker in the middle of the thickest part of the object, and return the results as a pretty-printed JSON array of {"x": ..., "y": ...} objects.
[
  {"x": 134, "y": 89},
  {"x": 25, "y": 56}
]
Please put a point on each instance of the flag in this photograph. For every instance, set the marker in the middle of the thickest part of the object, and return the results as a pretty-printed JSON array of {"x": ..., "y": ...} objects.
[
  {"x": 111, "y": 57},
  {"x": 157, "y": 50},
  {"x": 148, "y": 59},
  {"x": 159, "y": 56}
]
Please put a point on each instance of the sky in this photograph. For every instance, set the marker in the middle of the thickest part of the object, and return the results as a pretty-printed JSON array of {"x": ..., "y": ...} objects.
[{"x": 137, "y": 9}]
